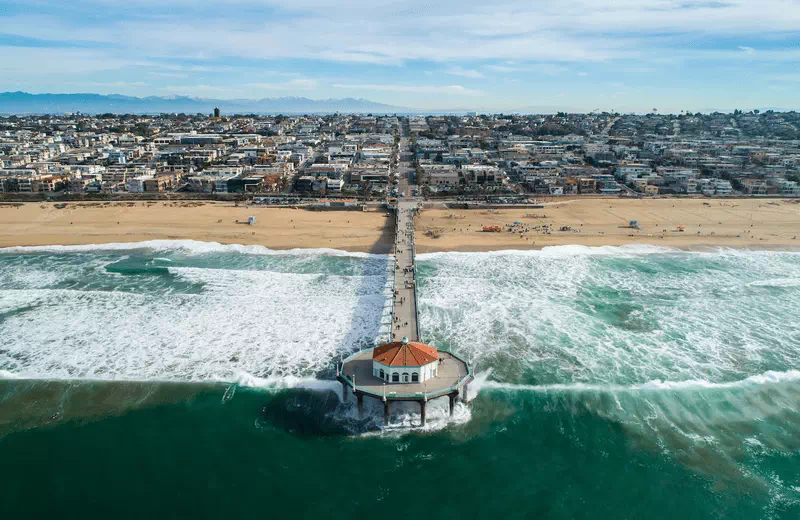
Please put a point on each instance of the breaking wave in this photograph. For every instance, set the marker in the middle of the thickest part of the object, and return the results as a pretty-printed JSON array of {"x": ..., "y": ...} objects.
[
  {"x": 767, "y": 378},
  {"x": 186, "y": 246}
]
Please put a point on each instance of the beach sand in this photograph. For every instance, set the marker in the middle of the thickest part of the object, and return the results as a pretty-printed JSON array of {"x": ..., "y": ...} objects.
[
  {"x": 277, "y": 228},
  {"x": 755, "y": 223},
  {"x": 761, "y": 224}
]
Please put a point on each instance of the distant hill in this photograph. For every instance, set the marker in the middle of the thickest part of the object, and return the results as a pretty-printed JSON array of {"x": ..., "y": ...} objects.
[{"x": 24, "y": 103}]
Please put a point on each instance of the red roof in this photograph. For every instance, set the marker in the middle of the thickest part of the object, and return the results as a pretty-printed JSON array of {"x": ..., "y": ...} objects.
[{"x": 399, "y": 354}]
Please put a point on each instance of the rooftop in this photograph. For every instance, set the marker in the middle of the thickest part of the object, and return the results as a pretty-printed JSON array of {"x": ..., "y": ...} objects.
[
  {"x": 453, "y": 373},
  {"x": 405, "y": 354}
]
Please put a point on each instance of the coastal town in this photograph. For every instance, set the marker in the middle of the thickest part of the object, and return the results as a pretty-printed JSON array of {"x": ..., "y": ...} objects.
[{"x": 500, "y": 159}]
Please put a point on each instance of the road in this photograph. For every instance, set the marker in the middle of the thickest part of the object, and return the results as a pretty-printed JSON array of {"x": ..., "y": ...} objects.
[
  {"x": 607, "y": 129},
  {"x": 405, "y": 170}
]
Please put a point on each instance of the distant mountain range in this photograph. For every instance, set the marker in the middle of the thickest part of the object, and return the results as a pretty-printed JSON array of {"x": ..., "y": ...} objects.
[{"x": 24, "y": 103}]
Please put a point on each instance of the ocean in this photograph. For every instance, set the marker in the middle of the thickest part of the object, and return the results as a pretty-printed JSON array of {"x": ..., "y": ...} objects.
[{"x": 187, "y": 379}]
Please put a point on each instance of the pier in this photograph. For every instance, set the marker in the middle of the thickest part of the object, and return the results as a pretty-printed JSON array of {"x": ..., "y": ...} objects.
[
  {"x": 404, "y": 307},
  {"x": 362, "y": 373}
]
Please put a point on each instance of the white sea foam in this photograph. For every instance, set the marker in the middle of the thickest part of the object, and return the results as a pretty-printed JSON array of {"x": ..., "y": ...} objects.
[
  {"x": 777, "y": 282},
  {"x": 256, "y": 322},
  {"x": 185, "y": 246},
  {"x": 404, "y": 417},
  {"x": 611, "y": 319},
  {"x": 605, "y": 319},
  {"x": 287, "y": 382},
  {"x": 767, "y": 378}
]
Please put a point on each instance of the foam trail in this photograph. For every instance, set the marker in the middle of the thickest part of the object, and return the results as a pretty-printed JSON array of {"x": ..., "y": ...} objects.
[
  {"x": 405, "y": 416},
  {"x": 287, "y": 382},
  {"x": 767, "y": 378},
  {"x": 185, "y": 246},
  {"x": 478, "y": 383},
  {"x": 777, "y": 282}
]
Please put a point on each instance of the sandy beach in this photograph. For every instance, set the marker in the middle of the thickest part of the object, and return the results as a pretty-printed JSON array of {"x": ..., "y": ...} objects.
[
  {"x": 34, "y": 224},
  {"x": 754, "y": 223},
  {"x": 762, "y": 224}
]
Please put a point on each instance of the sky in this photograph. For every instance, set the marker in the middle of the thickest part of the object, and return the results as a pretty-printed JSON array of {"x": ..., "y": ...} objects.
[{"x": 505, "y": 55}]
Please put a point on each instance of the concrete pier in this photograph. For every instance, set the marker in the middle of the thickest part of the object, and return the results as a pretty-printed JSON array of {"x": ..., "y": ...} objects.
[
  {"x": 404, "y": 315},
  {"x": 452, "y": 372}
]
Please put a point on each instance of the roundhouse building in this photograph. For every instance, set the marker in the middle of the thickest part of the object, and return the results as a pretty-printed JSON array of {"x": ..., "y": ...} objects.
[{"x": 405, "y": 362}]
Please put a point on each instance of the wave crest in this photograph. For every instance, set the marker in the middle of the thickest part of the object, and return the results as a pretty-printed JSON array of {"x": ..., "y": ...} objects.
[
  {"x": 767, "y": 378},
  {"x": 186, "y": 246}
]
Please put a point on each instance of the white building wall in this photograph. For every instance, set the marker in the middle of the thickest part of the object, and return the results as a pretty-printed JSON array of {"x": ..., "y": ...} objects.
[{"x": 425, "y": 372}]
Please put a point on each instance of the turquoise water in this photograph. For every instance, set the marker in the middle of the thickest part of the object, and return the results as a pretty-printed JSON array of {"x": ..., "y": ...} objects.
[{"x": 188, "y": 379}]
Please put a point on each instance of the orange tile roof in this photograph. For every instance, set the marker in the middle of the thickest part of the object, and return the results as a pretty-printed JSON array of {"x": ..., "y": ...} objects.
[{"x": 398, "y": 354}]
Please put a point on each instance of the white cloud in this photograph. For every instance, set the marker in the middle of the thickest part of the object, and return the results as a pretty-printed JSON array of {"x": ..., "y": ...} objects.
[
  {"x": 168, "y": 74},
  {"x": 293, "y": 85},
  {"x": 413, "y": 89},
  {"x": 361, "y": 31},
  {"x": 502, "y": 68},
  {"x": 788, "y": 78},
  {"x": 247, "y": 90},
  {"x": 115, "y": 84},
  {"x": 200, "y": 90},
  {"x": 255, "y": 42},
  {"x": 465, "y": 73}
]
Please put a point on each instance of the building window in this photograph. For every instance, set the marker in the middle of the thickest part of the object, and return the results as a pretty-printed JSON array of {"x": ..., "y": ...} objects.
[
  {"x": 395, "y": 378},
  {"x": 414, "y": 377},
  {"x": 405, "y": 377},
  {"x": 383, "y": 376}
]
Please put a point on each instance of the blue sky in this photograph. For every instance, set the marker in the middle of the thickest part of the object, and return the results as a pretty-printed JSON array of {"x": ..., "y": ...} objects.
[{"x": 504, "y": 55}]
